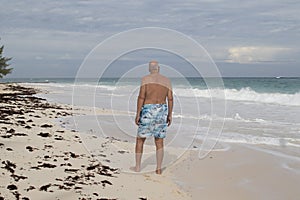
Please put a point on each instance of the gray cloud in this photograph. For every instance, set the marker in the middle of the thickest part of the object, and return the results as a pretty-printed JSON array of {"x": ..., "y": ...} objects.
[{"x": 48, "y": 34}]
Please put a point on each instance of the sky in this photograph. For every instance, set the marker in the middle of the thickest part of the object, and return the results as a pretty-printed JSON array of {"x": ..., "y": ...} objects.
[{"x": 51, "y": 38}]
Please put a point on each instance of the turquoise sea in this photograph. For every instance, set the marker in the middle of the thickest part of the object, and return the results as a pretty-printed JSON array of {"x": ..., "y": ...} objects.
[
  {"x": 261, "y": 112},
  {"x": 284, "y": 85}
]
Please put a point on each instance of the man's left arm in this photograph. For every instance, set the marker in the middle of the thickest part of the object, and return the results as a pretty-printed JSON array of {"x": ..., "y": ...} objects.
[{"x": 170, "y": 105}]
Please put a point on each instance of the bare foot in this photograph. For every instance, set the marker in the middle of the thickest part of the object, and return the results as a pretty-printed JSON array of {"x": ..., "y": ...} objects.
[
  {"x": 158, "y": 171},
  {"x": 135, "y": 169}
]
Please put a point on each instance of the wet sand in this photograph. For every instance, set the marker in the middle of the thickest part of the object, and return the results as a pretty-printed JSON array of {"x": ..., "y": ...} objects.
[{"x": 242, "y": 172}]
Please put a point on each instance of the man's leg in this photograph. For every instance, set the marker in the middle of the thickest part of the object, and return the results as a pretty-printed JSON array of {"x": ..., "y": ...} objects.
[
  {"x": 159, "y": 142},
  {"x": 138, "y": 153}
]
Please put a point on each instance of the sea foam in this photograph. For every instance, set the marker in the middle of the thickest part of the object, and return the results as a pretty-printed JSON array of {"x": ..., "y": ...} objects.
[{"x": 244, "y": 94}]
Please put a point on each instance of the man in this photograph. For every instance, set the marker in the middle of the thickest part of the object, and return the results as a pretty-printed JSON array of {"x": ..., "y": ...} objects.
[{"x": 153, "y": 114}]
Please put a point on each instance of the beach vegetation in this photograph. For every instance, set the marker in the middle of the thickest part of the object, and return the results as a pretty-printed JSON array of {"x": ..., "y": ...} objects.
[{"x": 4, "y": 70}]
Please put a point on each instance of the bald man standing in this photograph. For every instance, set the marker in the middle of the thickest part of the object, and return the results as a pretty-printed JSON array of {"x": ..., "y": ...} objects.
[{"x": 153, "y": 113}]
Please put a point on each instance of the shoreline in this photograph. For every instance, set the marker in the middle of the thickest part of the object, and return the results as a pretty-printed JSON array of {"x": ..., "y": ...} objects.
[
  {"x": 35, "y": 145},
  {"x": 242, "y": 172},
  {"x": 235, "y": 171}
]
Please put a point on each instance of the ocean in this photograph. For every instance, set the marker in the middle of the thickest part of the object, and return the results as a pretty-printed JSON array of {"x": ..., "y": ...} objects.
[{"x": 263, "y": 113}]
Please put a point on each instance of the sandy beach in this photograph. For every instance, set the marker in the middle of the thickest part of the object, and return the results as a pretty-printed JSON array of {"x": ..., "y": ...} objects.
[
  {"x": 41, "y": 159},
  {"x": 239, "y": 173}
]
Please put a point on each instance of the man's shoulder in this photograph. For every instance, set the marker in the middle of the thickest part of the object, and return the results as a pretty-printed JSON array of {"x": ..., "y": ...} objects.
[
  {"x": 165, "y": 79},
  {"x": 145, "y": 79}
]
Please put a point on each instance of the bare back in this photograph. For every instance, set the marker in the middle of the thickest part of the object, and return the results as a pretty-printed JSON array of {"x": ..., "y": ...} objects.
[{"x": 155, "y": 89}]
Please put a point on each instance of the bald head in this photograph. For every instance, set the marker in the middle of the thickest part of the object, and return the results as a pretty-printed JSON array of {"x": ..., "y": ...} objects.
[{"x": 153, "y": 66}]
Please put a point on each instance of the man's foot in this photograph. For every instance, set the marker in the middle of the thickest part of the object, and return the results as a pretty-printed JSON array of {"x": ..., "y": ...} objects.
[
  {"x": 158, "y": 171},
  {"x": 135, "y": 169}
]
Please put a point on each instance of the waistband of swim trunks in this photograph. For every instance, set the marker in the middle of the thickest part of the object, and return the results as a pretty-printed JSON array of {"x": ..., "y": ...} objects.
[{"x": 153, "y": 105}]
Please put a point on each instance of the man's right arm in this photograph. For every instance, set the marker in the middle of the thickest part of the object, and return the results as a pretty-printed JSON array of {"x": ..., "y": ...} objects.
[{"x": 140, "y": 102}]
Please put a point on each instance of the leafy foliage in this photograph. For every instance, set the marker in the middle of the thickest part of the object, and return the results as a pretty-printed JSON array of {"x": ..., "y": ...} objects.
[{"x": 4, "y": 64}]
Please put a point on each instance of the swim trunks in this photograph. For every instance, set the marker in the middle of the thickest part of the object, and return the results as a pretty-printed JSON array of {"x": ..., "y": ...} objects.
[{"x": 153, "y": 121}]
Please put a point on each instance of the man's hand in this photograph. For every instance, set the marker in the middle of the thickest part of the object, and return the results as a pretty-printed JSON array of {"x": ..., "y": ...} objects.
[
  {"x": 137, "y": 119},
  {"x": 169, "y": 120}
]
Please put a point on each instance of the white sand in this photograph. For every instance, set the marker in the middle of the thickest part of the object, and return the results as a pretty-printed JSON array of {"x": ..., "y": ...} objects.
[{"x": 65, "y": 150}]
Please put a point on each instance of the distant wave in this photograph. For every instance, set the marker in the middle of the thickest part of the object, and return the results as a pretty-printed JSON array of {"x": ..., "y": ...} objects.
[
  {"x": 79, "y": 85},
  {"x": 236, "y": 118},
  {"x": 244, "y": 94},
  {"x": 255, "y": 140}
]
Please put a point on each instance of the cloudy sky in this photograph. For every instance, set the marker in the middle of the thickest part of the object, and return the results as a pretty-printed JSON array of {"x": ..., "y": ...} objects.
[{"x": 51, "y": 38}]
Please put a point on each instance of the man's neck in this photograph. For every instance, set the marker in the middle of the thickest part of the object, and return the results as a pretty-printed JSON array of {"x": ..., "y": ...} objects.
[{"x": 154, "y": 72}]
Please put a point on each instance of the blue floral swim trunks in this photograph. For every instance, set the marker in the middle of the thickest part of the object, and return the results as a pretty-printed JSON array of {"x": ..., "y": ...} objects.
[{"x": 153, "y": 121}]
